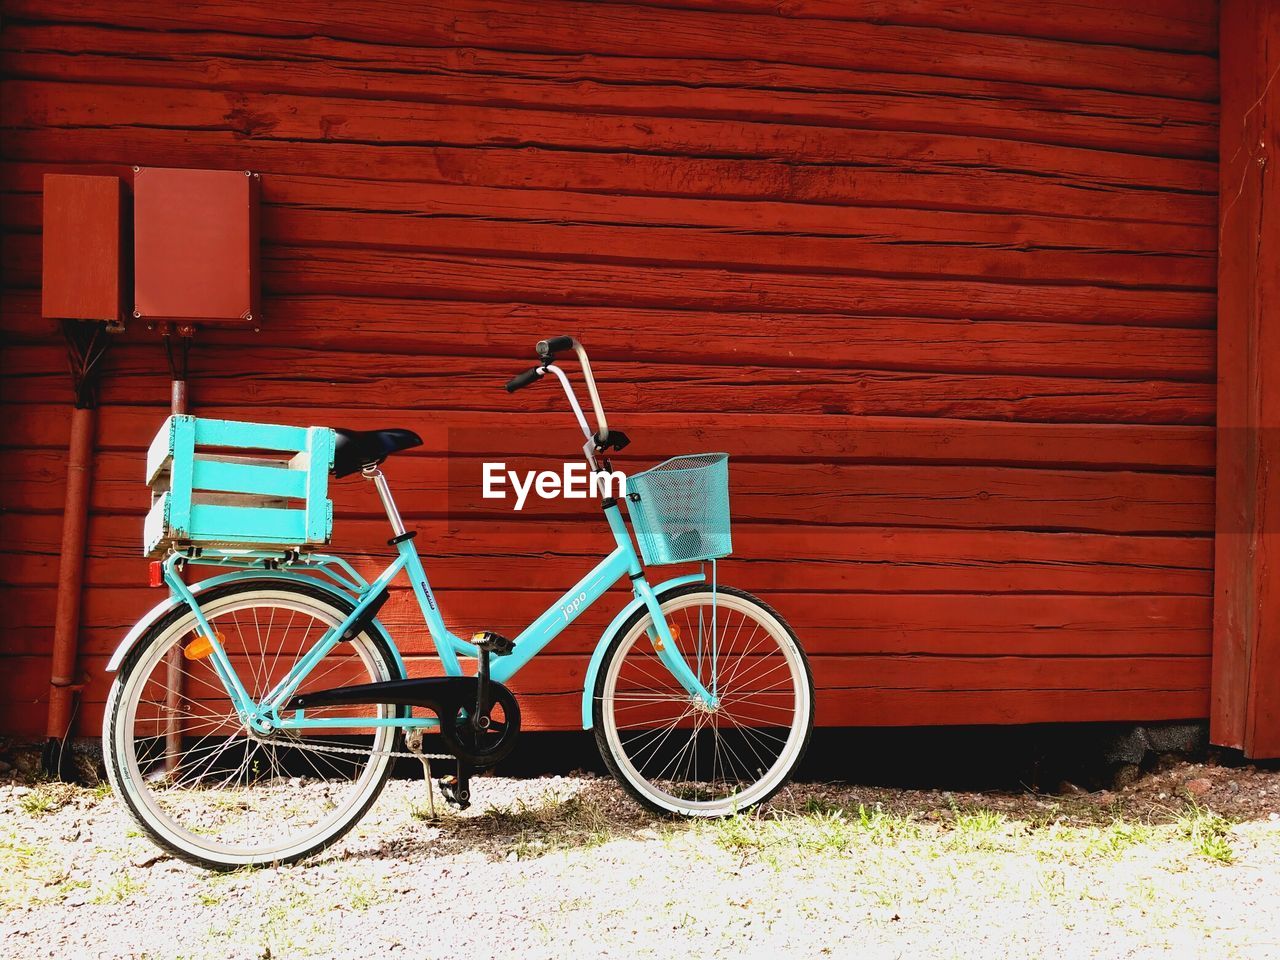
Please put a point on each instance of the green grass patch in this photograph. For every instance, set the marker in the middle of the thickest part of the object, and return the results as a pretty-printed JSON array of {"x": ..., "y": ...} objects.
[
  {"x": 118, "y": 889},
  {"x": 29, "y": 872},
  {"x": 978, "y": 829},
  {"x": 820, "y": 830},
  {"x": 48, "y": 797},
  {"x": 362, "y": 892},
  {"x": 1207, "y": 832},
  {"x": 1117, "y": 837}
]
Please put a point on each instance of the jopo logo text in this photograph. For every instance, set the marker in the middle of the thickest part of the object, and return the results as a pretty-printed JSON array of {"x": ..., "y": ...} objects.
[
  {"x": 573, "y": 482},
  {"x": 570, "y": 609}
]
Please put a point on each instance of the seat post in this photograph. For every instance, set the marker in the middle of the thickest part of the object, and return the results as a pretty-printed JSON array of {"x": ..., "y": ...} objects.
[{"x": 372, "y": 472}]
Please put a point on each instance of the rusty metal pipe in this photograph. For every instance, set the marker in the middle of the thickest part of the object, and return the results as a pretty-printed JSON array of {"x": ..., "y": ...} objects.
[
  {"x": 174, "y": 675},
  {"x": 66, "y": 625}
]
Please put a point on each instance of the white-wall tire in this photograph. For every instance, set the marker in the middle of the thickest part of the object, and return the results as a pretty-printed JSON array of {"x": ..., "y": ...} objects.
[
  {"x": 631, "y": 754},
  {"x": 131, "y": 760}
]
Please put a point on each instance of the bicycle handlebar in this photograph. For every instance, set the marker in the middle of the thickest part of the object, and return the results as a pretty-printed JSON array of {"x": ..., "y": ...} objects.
[
  {"x": 553, "y": 345},
  {"x": 522, "y": 380},
  {"x": 546, "y": 350}
]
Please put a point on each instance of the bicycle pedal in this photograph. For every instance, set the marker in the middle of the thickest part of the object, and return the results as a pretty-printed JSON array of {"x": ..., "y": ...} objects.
[
  {"x": 457, "y": 793},
  {"x": 494, "y": 643}
]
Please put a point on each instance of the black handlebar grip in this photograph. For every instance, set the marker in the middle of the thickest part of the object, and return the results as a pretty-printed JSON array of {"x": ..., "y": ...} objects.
[
  {"x": 521, "y": 380},
  {"x": 554, "y": 345}
]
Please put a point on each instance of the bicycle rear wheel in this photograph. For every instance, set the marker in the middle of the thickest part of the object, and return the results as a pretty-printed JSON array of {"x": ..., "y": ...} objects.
[
  {"x": 196, "y": 779},
  {"x": 671, "y": 752}
]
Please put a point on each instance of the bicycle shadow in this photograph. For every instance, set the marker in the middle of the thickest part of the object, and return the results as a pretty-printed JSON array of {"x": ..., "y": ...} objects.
[{"x": 512, "y": 823}]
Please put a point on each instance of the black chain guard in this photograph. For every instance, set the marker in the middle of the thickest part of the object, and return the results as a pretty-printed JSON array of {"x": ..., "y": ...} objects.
[{"x": 452, "y": 699}]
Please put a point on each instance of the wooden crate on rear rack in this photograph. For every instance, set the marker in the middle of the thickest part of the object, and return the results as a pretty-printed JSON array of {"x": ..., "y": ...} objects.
[{"x": 231, "y": 484}]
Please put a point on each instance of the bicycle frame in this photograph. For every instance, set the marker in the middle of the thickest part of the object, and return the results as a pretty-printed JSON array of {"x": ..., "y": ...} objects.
[{"x": 264, "y": 715}]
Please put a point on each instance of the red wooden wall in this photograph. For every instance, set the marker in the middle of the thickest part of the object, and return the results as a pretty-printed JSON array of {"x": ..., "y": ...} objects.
[{"x": 940, "y": 276}]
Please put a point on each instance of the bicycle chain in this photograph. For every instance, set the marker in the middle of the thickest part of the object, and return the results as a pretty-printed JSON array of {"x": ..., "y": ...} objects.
[{"x": 404, "y": 754}]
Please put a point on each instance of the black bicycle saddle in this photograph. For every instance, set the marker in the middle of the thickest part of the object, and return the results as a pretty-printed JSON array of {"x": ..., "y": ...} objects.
[{"x": 357, "y": 449}]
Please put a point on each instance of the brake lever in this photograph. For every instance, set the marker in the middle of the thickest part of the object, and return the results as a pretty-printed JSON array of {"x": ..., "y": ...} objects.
[{"x": 614, "y": 440}]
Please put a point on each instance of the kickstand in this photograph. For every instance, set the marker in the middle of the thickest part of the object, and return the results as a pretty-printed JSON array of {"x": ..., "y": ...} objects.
[{"x": 413, "y": 740}]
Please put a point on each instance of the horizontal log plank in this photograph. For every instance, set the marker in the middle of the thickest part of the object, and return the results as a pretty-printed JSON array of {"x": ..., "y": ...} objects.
[
  {"x": 835, "y": 624},
  {"x": 325, "y": 121},
  {"x": 778, "y": 437},
  {"x": 706, "y": 89},
  {"x": 869, "y": 247},
  {"x": 475, "y": 554},
  {"x": 724, "y": 234},
  {"x": 272, "y": 377},
  {"x": 447, "y": 328},
  {"x": 896, "y": 182},
  {"x": 312, "y": 269},
  {"x": 327, "y": 194},
  {"x": 1154, "y": 24},
  {"x": 869, "y": 708},
  {"x": 577, "y": 28},
  {"x": 850, "y": 676},
  {"x": 943, "y": 496},
  {"x": 328, "y": 270},
  {"x": 23, "y": 183}
]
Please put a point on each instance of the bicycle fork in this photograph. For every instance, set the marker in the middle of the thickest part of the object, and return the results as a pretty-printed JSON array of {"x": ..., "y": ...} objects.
[
  {"x": 668, "y": 650},
  {"x": 660, "y": 634}
]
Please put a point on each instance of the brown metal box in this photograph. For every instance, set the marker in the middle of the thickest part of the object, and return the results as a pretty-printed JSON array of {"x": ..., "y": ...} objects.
[
  {"x": 83, "y": 240},
  {"x": 195, "y": 245}
]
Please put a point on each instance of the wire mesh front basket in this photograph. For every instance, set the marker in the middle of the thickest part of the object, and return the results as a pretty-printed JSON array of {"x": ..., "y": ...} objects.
[{"x": 680, "y": 509}]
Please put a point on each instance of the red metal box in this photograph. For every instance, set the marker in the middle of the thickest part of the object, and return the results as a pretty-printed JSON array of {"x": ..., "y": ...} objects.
[
  {"x": 195, "y": 245},
  {"x": 83, "y": 240}
]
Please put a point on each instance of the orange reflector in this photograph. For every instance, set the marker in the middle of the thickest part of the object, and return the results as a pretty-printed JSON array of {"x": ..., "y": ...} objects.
[
  {"x": 155, "y": 573},
  {"x": 659, "y": 646},
  {"x": 200, "y": 647}
]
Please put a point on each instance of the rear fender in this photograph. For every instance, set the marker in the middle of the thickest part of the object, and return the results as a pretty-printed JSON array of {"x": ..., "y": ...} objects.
[{"x": 171, "y": 603}]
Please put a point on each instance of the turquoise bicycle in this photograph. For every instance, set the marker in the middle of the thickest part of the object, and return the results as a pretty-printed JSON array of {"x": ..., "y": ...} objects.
[{"x": 256, "y": 714}]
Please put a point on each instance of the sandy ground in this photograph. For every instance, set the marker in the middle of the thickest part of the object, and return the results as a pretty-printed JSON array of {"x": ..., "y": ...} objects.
[{"x": 1184, "y": 862}]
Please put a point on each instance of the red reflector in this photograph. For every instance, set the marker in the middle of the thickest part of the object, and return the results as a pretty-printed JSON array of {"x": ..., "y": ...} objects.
[{"x": 155, "y": 573}]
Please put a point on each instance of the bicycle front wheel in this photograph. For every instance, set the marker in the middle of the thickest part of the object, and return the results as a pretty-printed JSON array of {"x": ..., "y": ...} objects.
[
  {"x": 671, "y": 751},
  {"x": 202, "y": 784}
]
